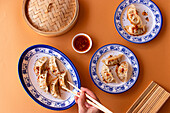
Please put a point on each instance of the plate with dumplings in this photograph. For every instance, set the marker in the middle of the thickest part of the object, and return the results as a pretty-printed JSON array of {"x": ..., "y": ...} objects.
[
  {"x": 138, "y": 21},
  {"x": 43, "y": 72},
  {"x": 114, "y": 68}
]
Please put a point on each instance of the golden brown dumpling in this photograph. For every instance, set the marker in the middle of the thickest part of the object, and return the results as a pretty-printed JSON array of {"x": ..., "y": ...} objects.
[
  {"x": 123, "y": 71},
  {"x": 132, "y": 16},
  {"x": 53, "y": 65},
  {"x": 135, "y": 30},
  {"x": 63, "y": 80},
  {"x": 112, "y": 60},
  {"x": 54, "y": 88},
  {"x": 42, "y": 81},
  {"x": 107, "y": 75},
  {"x": 39, "y": 65}
]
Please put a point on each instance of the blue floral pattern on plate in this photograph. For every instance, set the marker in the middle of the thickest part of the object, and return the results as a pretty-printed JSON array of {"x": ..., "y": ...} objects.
[
  {"x": 117, "y": 88},
  {"x": 28, "y": 85},
  {"x": 157, "y": 17}
]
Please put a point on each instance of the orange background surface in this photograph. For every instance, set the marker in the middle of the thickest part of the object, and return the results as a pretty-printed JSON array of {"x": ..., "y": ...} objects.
[{"x": 96, "y": 19}]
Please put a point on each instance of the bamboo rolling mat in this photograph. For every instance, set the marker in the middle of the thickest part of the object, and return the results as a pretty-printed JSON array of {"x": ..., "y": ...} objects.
[{"x": 151, "y": 100}]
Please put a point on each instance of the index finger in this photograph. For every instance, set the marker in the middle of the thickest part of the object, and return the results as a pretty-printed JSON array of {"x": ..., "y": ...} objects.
[{"x": 90, "y": 93}]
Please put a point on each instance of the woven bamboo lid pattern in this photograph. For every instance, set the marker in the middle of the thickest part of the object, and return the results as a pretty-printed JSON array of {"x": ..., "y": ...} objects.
[{"x": 50, "y": 17}]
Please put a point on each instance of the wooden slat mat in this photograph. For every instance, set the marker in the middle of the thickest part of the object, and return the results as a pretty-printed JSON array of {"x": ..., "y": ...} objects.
[{"x": 151, "y": 100}]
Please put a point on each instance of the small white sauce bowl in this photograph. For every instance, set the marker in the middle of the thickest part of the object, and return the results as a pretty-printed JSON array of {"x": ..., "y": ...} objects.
[{"x": 80, "y": 34}]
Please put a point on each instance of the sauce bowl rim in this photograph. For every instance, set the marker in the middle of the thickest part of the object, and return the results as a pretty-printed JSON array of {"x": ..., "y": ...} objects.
[{"x": 80, "y": 34}]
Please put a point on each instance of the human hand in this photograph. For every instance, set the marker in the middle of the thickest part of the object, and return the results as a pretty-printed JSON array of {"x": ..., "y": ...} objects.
[{"x": 83, "y": 106}]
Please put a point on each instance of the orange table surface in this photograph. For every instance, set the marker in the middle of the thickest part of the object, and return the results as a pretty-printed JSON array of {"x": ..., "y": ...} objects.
[{"x": 96, "y": 19}]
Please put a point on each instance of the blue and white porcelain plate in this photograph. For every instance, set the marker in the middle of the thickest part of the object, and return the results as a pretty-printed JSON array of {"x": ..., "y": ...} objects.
[
  {"x": 153, "y": 26},
  {"x": 96, "y": 67},
  {"x": 29, "y": 79}
]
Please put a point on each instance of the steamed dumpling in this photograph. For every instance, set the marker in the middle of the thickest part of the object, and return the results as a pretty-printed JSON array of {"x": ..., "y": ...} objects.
[
  {"x": 42, "y": 81},
  {"x": 107, "y": 75},
  {"x": 135, "y": 30},
  {"x": 112, "y": 60},
  {"x": 39, "y": 65},
  {"x": 53, "y": 65}
]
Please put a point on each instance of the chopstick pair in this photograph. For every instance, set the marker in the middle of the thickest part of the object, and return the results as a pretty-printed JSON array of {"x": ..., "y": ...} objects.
[{"x": 93, "y": 102}]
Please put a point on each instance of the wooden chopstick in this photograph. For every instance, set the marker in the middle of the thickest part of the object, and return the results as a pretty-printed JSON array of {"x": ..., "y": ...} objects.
[
  {"x": 93, "y": 100},
  {"x": 91, "y": 103}
]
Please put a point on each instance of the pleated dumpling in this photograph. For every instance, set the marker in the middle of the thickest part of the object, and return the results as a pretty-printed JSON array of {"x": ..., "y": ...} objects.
[
  {"x": 54, "y": 88},
  {"x": 53, "y": 65},
  {"x": 107, "y": 75},
  {"x": 112, "y": 60},
  {"x": 132, "y": 15},
  {"x": 123, "y": 71},
  {"x": 42, "y": 81},
  {"x": 39, "y": 65},
  {"x": 63, "y": 80},
  {"x": 135, "y": 30}
]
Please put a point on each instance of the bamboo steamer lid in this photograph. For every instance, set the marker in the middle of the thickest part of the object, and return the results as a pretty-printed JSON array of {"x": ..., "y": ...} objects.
[{"x": 50, "y": 17}]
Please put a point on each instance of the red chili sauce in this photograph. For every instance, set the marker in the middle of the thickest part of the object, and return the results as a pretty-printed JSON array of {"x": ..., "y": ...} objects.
[
  {"x": 144, "y": 13},
  {"x": 81, "y": 43},
  {"x": 147, "y": 19}
]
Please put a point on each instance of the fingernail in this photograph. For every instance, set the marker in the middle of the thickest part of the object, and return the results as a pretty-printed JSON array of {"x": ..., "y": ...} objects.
[{"x": 82, "y": 88}]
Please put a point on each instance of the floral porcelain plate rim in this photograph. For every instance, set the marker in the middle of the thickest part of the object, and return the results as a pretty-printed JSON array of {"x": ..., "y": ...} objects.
[
  {"x": 117, "y": 88},
  {"x": 157, "y": 18},
  {"x": 29, "y": 87}
]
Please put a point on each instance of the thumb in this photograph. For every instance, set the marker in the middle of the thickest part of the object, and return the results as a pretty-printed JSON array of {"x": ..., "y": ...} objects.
[{"x": 81, "y": 101}]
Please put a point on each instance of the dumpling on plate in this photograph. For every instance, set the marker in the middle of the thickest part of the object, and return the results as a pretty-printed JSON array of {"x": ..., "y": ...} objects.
[
  {"x": 50, "y": 77},
  {"x": 135, "y": 30},
  {"x": 112, "y": 60},
  {"x": 53, "y": 65},
  {"x": 123, "y": 71},
  {"x": 132, "y": 15},
  {"x": 54, "y": 88},
  {"x": 107, "y": 75},
  {"x": 63, "y": 80},
  {"x": 132, "y": 9},
  {"x": 42, "y": 81},
  {"x": 39, "y": 65}
]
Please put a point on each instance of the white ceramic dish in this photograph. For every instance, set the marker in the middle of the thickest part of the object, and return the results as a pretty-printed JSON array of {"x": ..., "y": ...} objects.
[
  {"x": 153, "y": 25},
  {"x": 96, "y": 67},
  {"x": 81, "y": 34},
  {"x": 29, "y": 79}
]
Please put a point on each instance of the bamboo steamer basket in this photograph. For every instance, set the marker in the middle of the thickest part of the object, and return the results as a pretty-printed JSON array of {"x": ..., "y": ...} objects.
[{"x": 50, "y": 17}]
